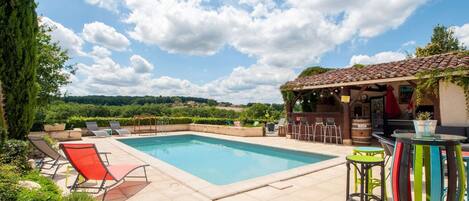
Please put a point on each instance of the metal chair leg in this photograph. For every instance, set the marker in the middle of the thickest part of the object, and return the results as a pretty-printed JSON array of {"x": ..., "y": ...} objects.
[
  {"x": 145, "y": 172},
  {"x": 56, "y": 169}
]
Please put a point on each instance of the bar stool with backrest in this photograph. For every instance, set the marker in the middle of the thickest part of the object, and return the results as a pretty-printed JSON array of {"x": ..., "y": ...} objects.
[
  {"x": 303, "y": 125},
  {"x": 293, "y": 129},
  {"x": 318, "y": 123},
  {"x": 331, "y": 131}
]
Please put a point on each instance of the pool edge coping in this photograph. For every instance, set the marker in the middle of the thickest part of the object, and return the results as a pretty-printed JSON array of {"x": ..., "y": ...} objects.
[{"x": 215, "y": 192}]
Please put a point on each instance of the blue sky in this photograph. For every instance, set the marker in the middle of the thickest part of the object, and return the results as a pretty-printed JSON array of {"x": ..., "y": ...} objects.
[{"x": 237, "y": 51}]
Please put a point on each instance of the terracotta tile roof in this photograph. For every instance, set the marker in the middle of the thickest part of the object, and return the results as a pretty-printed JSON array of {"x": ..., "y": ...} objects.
[{"x": 397, "y": 69}]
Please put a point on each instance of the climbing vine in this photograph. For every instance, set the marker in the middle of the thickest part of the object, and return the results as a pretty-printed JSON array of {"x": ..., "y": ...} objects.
[
  {"x": 288, "y": 96},
  {"x": 428, "y": 82}
]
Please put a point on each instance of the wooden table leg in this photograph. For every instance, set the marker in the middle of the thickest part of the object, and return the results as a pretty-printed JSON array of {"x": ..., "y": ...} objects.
[
  {"x": 451, "y": 174},
  {"x": 435, "y": 172}
]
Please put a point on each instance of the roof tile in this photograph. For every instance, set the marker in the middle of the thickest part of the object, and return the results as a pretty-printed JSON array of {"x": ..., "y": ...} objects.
[{"x": 403, "y": 68}]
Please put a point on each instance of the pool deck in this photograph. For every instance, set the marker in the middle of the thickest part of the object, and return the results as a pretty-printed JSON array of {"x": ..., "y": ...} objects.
[{"x": 326, "y": 182}]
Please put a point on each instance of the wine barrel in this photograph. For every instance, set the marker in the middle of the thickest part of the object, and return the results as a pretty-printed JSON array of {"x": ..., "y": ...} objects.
[{"x": 361, "y": 131}]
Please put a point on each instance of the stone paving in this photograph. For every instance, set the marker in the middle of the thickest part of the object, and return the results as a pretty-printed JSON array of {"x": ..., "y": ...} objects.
[{"x": 324, "y": 185}]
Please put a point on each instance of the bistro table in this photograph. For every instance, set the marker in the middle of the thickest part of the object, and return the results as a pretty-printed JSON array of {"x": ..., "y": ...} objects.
[{"x": 427, "y": 152}]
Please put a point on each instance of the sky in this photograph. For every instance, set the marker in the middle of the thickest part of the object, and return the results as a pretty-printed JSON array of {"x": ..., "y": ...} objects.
[{"x": 238, "y": 51}]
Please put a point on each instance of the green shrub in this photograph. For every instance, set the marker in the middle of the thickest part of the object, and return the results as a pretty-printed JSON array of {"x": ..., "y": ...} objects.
[
  {"x": 78, "y": 196},
  {"x": 9, "y": 176},
  {"x": 15, "y": 152},
  {"x": 80, "y": 122},
  {"x": 49, "y": 191},
  {"x": 250, "y": 122},
  {"x": 214, "y": 121}
]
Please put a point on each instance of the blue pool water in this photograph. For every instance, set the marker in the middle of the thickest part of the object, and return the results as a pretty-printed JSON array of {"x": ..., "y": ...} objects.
[{"x": 220, "y": 161}]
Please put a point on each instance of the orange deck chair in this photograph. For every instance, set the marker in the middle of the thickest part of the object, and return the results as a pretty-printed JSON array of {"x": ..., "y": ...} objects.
[{"x": 87, "y": 162}]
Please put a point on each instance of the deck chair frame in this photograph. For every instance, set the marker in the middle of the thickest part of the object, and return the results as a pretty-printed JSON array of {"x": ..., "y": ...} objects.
[
  {"x": 76, "y": 184},
  {"x": 115, "y": 126},
  {"x": 92, "y": 126},
  {"x": 51, "y": 156}
]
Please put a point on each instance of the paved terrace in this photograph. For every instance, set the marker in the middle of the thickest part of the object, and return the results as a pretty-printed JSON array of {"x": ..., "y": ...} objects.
[{"x": 323, "y": 185}]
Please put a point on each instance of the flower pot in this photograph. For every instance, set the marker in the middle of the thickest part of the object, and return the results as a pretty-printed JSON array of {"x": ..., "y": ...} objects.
[
  {"x": 54, "y": 127},
  {"x": 270, "y": 127},
  {"x": 425, "y": 127}
]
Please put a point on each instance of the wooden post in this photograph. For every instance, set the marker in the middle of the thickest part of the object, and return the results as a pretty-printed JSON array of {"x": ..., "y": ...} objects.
[
  {"x": 346, "y": 115},
  {"x": 436, "y": 108}
]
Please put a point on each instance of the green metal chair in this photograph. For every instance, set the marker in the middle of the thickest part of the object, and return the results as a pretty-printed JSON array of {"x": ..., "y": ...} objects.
[{"x": 363, "y": 164}]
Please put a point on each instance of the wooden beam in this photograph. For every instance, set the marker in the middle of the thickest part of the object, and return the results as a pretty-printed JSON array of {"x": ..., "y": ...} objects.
[
  {"x": 346, "y": 129},
  {"x": 368, "y": 89},
  {"x": 412, "y": 83}
]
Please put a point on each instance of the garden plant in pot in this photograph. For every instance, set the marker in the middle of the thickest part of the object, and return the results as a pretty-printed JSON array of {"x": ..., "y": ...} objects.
[
  {"x": 270, "y": 122},
  {"x": 423, "y": 124}
]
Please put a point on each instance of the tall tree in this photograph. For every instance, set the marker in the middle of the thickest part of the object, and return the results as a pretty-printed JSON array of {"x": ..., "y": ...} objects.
[
  {"x": 53, "y": 71},
  {"x": 442, "y": 41},
  {"x": 18, "y": 63}
]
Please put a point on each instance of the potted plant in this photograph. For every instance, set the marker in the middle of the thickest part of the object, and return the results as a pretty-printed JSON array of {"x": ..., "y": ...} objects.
[
  {"x": 53, "y": 125},
  {"x": 270, "y": 122},
  {"x": 423, "y": 124}
]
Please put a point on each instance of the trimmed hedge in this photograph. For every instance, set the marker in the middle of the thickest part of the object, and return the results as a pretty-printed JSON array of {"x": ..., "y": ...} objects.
[
  {"x": 79, "y": 122},
  {"x": 213, "y": 121}
]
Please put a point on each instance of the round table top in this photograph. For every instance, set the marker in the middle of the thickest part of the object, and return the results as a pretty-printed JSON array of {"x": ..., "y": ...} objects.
[
  {"x": 368, "y": 149},
  {"x": 436, "y": 139}
]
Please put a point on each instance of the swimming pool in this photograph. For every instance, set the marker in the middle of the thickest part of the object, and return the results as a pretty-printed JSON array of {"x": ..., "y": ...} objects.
[{"x": 221, "y": 161}]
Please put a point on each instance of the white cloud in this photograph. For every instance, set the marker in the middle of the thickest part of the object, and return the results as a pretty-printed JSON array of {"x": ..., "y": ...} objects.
[
  {"x": 107, "y": 36},
  {"x": 244, "y": 84},
  {"x": 409, "y": 43},
  {"x": 140, "y": 65},
  {"x": 292, "y": 34},
  {"x": 462, "y": 33},
  {"x": 178, "y": 27},
  {"x": 380, "y": 57},
  {"x": 281, "y": 36},
  {"x": 111, "y": 5},
  {"x": 100, "y": 52},
  {"x": 64, "y": 36}
]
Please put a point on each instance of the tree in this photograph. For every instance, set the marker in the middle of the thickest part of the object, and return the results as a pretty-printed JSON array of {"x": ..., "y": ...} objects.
[
  {"x": 18, "y": 63},
  {"x": 52, "y": 71},
  {"x": 442, "y": 41},
  {"x": 313, "y": 71}
]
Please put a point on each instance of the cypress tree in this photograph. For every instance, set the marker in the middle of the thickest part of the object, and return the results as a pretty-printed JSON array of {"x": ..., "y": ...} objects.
[{"x": 18, "y": 63}]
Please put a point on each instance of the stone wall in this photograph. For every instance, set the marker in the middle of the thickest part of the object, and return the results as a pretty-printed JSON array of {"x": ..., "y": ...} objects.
[
  {"x": 218, "y": 129},
  {"x": 228, "y": 130}
]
